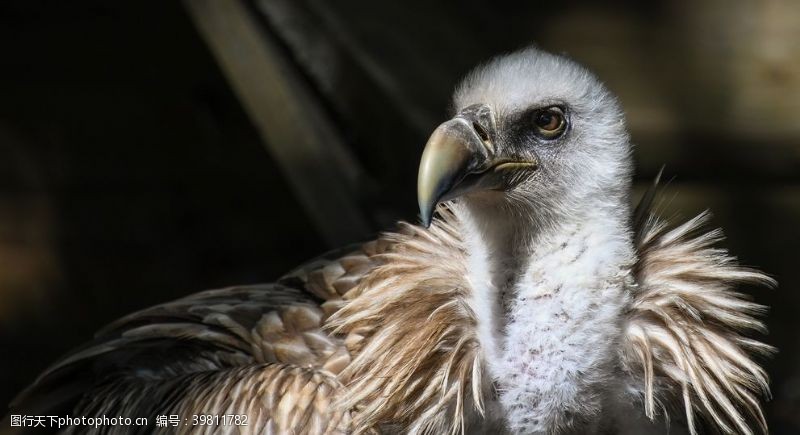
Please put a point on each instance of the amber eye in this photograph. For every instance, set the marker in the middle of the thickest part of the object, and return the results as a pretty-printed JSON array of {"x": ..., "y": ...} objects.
[{"x": 549, "y": 122}]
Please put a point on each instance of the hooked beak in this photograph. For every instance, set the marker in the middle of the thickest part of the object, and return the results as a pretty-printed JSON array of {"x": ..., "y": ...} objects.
[{"x": 459, "y": 158}]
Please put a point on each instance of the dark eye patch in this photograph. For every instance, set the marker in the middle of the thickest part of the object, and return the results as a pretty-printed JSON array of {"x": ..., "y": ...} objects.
[{"x": 540, "y": 124}]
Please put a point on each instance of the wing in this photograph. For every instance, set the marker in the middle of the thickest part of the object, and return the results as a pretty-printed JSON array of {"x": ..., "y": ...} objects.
[
  {"x": 323, "y": 350},
  {"x": 263, "y": 342},
  {"x": 685, "y": 328}
]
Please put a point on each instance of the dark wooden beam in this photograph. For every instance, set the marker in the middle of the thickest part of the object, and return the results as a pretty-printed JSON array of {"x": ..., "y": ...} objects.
[{"x": 293, "y": 126}]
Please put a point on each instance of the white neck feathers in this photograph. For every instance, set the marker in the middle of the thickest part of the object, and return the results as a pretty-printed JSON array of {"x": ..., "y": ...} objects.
[{"x": 548, "y": 313}]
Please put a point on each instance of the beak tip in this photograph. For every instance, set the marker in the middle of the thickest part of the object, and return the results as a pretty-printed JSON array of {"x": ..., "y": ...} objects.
[{"x": 426, "y": 216}]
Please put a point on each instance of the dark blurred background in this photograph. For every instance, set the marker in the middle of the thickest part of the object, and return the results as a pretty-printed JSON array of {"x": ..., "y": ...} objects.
[{"x": 149, "y": 149}]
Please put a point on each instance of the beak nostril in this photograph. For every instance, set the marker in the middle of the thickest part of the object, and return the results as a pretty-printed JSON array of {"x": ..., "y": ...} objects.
[{"x": 481, "y": 131}]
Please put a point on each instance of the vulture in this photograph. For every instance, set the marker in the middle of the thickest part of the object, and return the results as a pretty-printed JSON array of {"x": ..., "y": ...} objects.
[{"x": 532, "y": 298}]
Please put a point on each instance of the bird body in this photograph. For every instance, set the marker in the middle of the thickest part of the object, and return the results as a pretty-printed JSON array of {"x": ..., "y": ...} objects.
[{"x": 531, "y": 300}]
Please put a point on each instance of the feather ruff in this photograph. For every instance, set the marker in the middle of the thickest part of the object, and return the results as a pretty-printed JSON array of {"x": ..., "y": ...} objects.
[
  {"x": 685, "y": 325},
  {"x": 418, "y": 362}
]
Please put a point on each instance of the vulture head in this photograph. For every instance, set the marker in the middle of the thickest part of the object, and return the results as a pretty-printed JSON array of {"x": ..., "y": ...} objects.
[{"x": 533, "y": 133}]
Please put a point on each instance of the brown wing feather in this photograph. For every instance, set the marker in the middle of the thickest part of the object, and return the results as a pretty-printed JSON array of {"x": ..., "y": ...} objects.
[
  {"x": 270, "y": 351},
  {"x": 209, "y": 340},
  {"x": 274, "y": 398},
  {"x": 331, "y": 275},
  {"x": 684, "y": 329}
]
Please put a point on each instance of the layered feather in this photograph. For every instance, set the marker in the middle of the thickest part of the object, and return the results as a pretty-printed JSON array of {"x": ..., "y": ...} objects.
[
  {"x": 685, "y": 328},
  {"x": 418, "y": 366},
  {"x": 255, "y": 350}
]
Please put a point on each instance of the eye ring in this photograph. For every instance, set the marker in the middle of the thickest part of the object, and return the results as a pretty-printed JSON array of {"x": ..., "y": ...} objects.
[{"x": 549, "y": 122}]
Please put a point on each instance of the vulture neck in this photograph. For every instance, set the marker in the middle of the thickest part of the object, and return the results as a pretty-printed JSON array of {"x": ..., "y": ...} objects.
[{"x": 548, "y": 295}]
